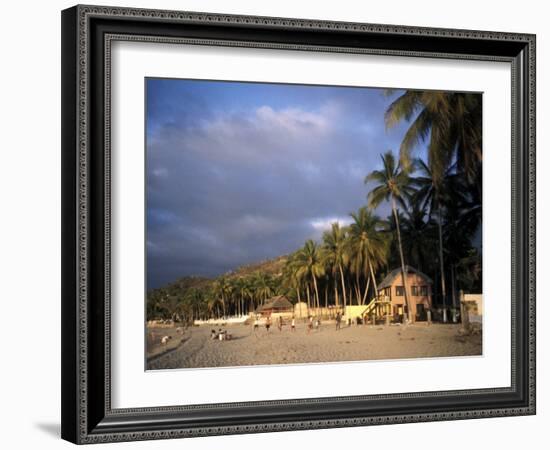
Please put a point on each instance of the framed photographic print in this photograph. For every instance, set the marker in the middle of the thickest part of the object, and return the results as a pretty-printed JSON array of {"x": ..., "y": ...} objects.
[{"x": 281, "y": 224}]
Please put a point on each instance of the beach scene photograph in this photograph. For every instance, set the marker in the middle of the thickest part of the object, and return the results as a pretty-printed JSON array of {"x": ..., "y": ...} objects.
[{"x": 297, "y": 224}]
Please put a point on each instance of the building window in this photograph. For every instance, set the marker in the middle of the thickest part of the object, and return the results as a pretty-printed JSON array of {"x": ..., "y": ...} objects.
[
  {"x": 399, "y": 291},
  {"x": 424, "y": 291},
  {"x": 414, "y": 290}
]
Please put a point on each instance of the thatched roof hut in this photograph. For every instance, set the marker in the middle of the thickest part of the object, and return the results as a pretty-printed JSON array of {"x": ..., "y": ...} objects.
[{"x": 275, "y": 305}]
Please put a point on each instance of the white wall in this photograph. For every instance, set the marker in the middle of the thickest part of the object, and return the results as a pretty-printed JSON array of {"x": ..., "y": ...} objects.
[{"x": 30, "y": 220}]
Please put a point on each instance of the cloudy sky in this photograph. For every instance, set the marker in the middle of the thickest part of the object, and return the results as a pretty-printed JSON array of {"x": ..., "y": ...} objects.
[{"x": 241, "y": 172}]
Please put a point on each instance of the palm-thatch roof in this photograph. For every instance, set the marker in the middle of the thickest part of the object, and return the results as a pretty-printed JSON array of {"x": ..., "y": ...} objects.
[
  {"x": 388, "y": 281},
  {"x": 275, "y": 303}
]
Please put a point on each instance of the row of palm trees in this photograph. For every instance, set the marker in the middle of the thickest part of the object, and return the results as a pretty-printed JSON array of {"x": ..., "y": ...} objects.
[
  {"x": 345, "y": 266},
  {"x": 435, "y": 213}
]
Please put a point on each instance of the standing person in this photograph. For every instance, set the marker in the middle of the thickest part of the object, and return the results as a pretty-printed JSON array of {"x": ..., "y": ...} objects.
[
  {"x": 318, "y": 324},
  {"x": 293, "y": 324},
  {"x": 256, "y": 323},
  {"x": 267, "y": 323},
  {"x": 338, "y": 320},
  {"x": 280, "y": 323},
  {"x": 309, "y": 324}
]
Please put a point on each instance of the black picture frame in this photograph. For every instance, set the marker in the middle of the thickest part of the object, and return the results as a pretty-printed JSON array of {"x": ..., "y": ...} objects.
[{"x": 87, "y": 416}]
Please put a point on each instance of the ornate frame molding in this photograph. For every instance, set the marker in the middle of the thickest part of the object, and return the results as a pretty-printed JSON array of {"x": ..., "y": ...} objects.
[{"x": 80, "y": 419}]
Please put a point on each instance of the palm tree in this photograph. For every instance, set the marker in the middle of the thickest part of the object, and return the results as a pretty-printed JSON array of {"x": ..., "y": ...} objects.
[
  {"x": 193, "y": 298},
  {"x": 294, "y": 281},
  {"x": 393, "y": 183},
  {"x": 334, "y": 245},
  {"x": 418, "y": 232},
  {"x": 223, "y": 290},
  {"x": 467, "y": 196},
  {"x": 431, "y": 193},
  {"x": 367, "y": 246},
  {"x": 309, "y": 264},
  {"x": 450, "y": 122},
  {"x": 250, "y": 292},
  {"x": 242, "y": 289}
]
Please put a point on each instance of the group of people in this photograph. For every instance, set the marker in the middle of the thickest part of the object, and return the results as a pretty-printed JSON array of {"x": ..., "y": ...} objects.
[
  {"x": 279, "y": 320},
  {"x": 221, "y": 335},
  {"x": 313, "y": 322}
]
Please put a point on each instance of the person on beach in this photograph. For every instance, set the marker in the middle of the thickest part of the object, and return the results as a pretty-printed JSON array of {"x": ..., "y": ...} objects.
[
  {"x": 318, "y": 324},
  {"x": 267, "y": 323},
  {"x": 280, "y": 323},
  {"x": 338, "y": 320},
  {"x": 293, "y": 324},
  {"x": 310, "y": 324},
  {"x": 256, "y": 323},
  {"x": 213, "y": 334}
]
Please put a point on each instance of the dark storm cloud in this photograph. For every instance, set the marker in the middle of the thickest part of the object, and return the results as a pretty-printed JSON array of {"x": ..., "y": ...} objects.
[{"x": 238, "y": 181}]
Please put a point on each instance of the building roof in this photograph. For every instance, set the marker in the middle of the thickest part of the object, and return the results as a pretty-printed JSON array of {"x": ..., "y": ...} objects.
[
  {"x": 278, "y": 302},
  {"x": 388, "y": 281}
]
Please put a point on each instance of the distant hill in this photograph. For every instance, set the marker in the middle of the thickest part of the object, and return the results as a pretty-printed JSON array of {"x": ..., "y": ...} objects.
[
  {"x": 185, "y": 283},
  {"x": 273, "y": 267},
  {"x": 270, "y": 266}
]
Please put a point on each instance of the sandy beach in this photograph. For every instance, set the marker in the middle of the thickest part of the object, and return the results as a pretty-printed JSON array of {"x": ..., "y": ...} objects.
[{"x": 355, "y": 343}]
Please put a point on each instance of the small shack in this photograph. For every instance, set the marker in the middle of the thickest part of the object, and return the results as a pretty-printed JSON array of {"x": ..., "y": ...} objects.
[
  {"x": 473, "y": 304},
  {"x": 420, "y": 292},
  {"x": 276, "y": 305}
]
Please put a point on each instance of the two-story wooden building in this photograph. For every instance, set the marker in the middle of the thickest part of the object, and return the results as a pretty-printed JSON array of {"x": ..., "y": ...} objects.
[{"x": 420, "y": 289}]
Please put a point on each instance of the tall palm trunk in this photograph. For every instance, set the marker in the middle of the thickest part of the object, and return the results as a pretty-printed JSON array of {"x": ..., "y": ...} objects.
[
  {"x": 223, "y": 305},
  {"x": 299, "y": 299},
  {"x": 408, "y": 315},
  {"x": 336, "y": 296},
  {"x": 453, "y": 291},
  {"x": 343, "y": 284},
  {"x": 366, "y": 291},
  {"x": 374, "y": 284},
  {"x": 386, "y": 308},
  {"x": 357, "y": 288},
  {"x": 316, "y": 292},
  {"x": 441, "y": 265},
  {"x": 308, "y": 298}
]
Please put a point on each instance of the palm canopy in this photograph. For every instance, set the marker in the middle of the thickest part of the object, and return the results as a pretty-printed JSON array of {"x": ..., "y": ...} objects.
[
  {"x": 449, "y": 122},
  {"x": 467, "y": 199},
  {"x": 430, "y": 192},
  {"x": 262, "y": 285},
  {"x": 419, "y": 236},
  {"x": 334, "y": 247},
  {"x": 367, "y": 246},
  {"x": 309, "y": 261},
  {"x": 393, "y": 182},
  {"x": 222, "y": 287}
]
